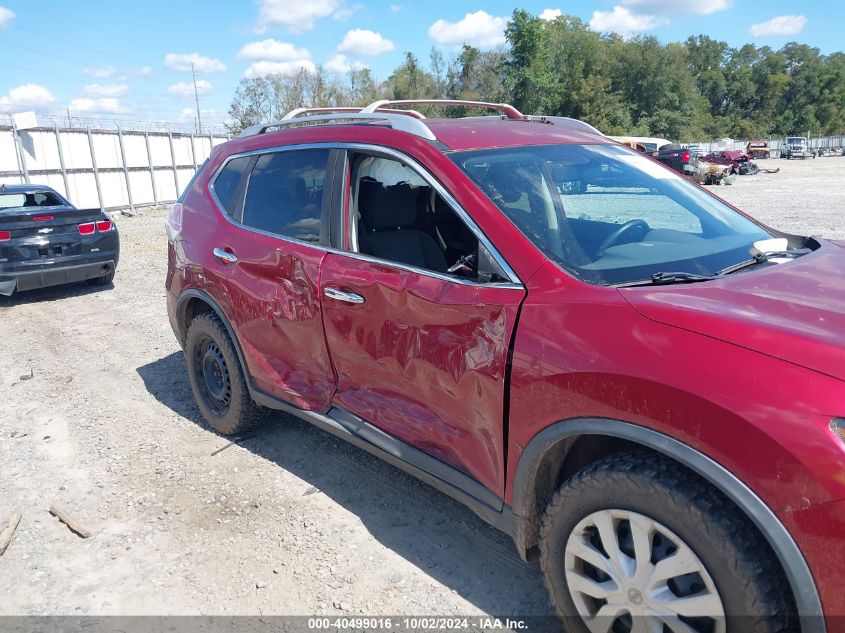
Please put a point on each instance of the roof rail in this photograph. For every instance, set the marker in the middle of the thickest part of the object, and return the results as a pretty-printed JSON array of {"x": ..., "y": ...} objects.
[
  {"x": 301, "y": 111},
  {"x": 508, "y": 110},
  {"x": 401, "y": 122}
]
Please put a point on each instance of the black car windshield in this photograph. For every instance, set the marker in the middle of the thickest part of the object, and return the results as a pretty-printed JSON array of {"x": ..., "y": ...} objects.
[{"x": 608, "y": 214}]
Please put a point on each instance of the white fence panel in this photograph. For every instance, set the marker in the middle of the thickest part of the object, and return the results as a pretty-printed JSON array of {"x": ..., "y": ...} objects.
[{"x": 87, "y": 166}]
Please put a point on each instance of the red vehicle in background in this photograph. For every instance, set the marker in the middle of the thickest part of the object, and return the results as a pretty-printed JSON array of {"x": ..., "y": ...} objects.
[
  {"x": 734, "y": 158},
  {"x": 593, "y": 353}
]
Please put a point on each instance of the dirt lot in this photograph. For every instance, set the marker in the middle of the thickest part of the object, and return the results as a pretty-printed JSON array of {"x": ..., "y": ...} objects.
[{"x": 97, "y": 417}]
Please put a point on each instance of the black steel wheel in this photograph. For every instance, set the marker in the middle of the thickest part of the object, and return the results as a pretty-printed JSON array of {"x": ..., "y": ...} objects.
[{"x": 217, "y": 380}]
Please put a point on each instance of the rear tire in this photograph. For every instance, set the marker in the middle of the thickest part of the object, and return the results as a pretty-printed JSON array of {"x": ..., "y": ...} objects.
[
  {"x": 702, "y": 555},
  {"x": 217, "y": 380},
  {"x": 105, "y": 280}
]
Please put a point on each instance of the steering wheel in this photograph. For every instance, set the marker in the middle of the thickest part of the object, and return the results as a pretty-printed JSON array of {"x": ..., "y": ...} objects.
[{"x": 614, "y": 237}]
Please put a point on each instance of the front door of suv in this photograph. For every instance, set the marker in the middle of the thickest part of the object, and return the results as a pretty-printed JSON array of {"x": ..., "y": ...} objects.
[{"x": 420, "y": 353}]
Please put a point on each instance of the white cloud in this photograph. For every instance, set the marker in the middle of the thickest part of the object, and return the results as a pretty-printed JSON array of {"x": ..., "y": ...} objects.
[
  {"x": 186, "y": 88},
  {"x": 202, "y": 64},
  {"x": 396, "y": 8},
  {"x": 105, "y": 90},
  {"x": 145, "y": 71},
  {"x": 340, "y": 64},
  {"x": 106, "y": 105},
  {"x": 273, "y": 50},
  {"x": 189, "y": 115},
  {"x": 262, "y": 69},
  {"x": 26, "y": 97},
  {"x": 676, "y": 7},
  {"x": 620, "y": 20},
  {"x": 6, "y": 16},
  {"x": 364, "y": 42},
  {"x": 479, "y": 29},
  {"x": 296, "y": 16},
  {"x": 780, "y": 26},
  {"x": 550, "y": 14},
  {"x": 104, "y": 72},
  {"x": 342, "y": 15}
]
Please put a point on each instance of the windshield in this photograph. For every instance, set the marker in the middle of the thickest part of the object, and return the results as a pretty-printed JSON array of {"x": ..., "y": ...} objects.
[{"x": 608, "y": 214}]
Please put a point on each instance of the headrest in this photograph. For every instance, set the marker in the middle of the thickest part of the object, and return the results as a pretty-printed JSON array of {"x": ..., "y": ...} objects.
[{"x": 386, "y": 207}]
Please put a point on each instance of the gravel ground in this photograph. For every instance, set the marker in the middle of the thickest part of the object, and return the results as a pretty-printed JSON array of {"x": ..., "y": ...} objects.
[{"x": 97, "y": 417}]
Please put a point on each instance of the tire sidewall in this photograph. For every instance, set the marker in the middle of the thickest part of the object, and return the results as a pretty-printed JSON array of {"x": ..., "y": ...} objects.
[
  {"x": 657, "y": 502},
  {"x": 202, "y": 327}
]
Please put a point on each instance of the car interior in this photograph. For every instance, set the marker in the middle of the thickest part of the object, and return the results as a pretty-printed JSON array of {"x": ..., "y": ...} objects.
[
  {"x": 28, "y": 200},
  {"x": 400, "y": 217}
]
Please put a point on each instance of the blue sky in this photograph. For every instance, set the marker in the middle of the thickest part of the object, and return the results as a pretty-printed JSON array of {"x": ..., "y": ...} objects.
[{"x": 131, "y": 61}]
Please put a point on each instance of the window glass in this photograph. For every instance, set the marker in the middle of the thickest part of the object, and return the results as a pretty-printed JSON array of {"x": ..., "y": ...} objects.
[
  {"x": 34, "y": 199},
  {"x": 227, "y": 181},
  {"x": 400, "y": 218},
  {"x": 181, "y": 198},
  {"x": 608, "y": 214},
  {"x": 285, "y": 193}
]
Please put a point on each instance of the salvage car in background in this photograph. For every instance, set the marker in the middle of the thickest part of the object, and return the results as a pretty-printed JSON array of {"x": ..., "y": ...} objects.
[
  {"x": 682, "y": 159},
  {"x": 758, "y": 149},
  {"x": 46, "y": 241}
]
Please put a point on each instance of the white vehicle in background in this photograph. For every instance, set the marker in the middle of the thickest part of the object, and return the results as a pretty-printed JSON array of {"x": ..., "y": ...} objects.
[{"x": 796, "y": 147}]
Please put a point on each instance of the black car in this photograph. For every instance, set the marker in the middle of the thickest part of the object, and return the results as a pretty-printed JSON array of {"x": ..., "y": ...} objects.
[{"x": 46, "y": 241}]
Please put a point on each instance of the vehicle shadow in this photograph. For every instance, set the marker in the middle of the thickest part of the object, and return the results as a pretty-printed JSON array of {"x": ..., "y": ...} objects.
[
  {"x": 52, "y": 293},
  {"x": 427, "y": 528}
]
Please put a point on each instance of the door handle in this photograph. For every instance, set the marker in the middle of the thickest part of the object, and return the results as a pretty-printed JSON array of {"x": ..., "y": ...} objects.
[
  {"x": 226, "y": 256},
  {"x": 339, "y": 295}
]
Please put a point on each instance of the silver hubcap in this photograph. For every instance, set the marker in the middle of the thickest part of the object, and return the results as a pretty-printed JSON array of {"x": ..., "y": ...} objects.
[{"x": 627, "y": 572}]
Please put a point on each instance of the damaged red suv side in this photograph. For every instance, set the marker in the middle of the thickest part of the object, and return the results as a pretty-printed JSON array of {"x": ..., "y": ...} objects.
[{"x": 594, "y": 354}]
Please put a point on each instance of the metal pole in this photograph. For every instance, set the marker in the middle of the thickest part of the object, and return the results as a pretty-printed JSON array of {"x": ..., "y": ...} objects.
[
  {"x": 125, "y": 168},
  {"x": 61, "y": 158},
  {"x": 173, "y": 159},
  {"x": 152, "y": 170},
  {"x": 19, "y": 150},
  {"x": 197, "y": 100},
  {"x": 193, "y": 152},
  {"x": 96, "y": 171}
]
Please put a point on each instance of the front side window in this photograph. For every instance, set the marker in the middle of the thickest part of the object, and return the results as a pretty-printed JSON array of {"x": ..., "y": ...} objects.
[
  {"x": 608, "y": 214},
  {"x": 285, "y": 193},
  {"x": 399, "y": 217}
]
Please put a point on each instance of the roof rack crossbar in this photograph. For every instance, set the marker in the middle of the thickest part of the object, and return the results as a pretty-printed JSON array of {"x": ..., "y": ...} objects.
[
  {"x": 508, "y": 110},
  {"x": 401, "y": 122}
]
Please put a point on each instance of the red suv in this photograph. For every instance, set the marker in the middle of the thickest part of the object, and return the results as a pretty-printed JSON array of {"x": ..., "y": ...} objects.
[{"x": 594, "y": 354}]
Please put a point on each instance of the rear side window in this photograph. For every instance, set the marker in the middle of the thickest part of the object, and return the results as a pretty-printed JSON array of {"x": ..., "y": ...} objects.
[
  {"x": 228, "y": 181},
  {"x": 285, "y": 193}
]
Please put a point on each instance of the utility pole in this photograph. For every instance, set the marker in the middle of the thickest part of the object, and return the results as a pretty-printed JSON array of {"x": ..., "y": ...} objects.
[
  {"x": 68, "y": 117},
  {"x": 197, "y": 100}
]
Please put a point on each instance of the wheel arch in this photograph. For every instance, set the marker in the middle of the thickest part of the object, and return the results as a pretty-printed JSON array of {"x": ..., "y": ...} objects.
[
  {"x": 194, "y": 302},
  {"x": 548, "y": 458}
]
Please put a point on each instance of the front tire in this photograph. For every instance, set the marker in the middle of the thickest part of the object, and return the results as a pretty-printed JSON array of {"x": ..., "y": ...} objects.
[
  {"x": 218, "y": 383},
  {"x": 635, "y": 541}
]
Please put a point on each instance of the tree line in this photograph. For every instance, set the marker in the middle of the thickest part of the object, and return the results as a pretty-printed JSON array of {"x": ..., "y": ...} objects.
[{"x": 693, "y": 90}]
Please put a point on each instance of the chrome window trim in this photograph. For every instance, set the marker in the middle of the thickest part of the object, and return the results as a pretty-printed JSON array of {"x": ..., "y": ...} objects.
[{"x": 514, "y": 282}]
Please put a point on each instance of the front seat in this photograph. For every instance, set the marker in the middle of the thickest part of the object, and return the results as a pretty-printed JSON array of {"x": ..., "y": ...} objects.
[{"x": 388, "y": 218}]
